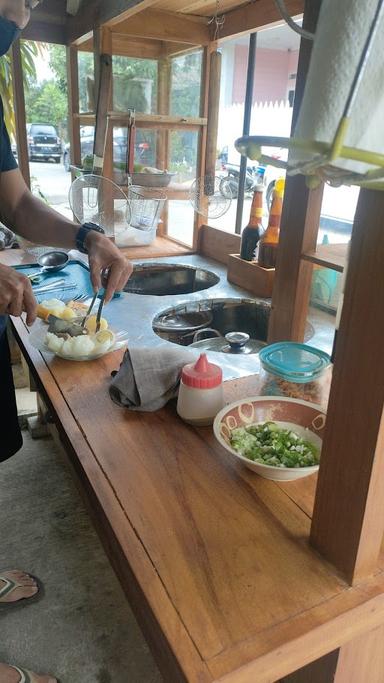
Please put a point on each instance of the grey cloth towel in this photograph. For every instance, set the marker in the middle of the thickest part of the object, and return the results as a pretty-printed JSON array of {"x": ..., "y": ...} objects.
[
  {"x": 7, "y": 238},
  {"x": 148, "y": 377}
]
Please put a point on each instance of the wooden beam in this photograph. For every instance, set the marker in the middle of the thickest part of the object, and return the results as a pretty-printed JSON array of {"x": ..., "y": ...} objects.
[
  {"x": 136, "y": 47},
  {"x": 213, "y": 114},
  {"x": 106, "y": 13},
  {"x": 45, "y": 32},
  {"x": 167, "y": 26},
  {"x": 73, "y": 7},
  {"x": 19, "y": 107},
  {"x": 348, "y": 519},
  {"x": 114, "y": 12},
  {"x": 199, "y": 219},
  {"x": 164, "y": 71},
  {"x": 178, "y": 49},
  {"x": 80, "y": 27},
  {"x": 73, "y": 105},
  {"x": 255, "y": 16},
  {"x": 147, "y": 121},
  {"x": 299, "y": 226}
]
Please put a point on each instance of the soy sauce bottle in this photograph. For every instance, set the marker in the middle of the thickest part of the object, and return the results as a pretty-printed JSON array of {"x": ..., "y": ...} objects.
[{"x": 252, "y": 233}]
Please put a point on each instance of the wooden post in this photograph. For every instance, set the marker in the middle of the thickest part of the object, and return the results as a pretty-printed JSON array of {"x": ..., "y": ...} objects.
[
  {"x": 163, "y": 103},
  {"x": 348, "y": 519},
  {"x": 106, "y": 49},
  {"x": 299, "y": 225},
  {"x": 213, "y": 115},
  {"x": 73, "y": 105},
  {"x": 362, "y": 659},
  {"x": 200, "y": 220},
  {"x": 19, "y": 107}
]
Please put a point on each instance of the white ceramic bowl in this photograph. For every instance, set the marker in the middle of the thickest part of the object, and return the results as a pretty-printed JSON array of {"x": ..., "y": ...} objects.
[{"x": 306, "y": 419}]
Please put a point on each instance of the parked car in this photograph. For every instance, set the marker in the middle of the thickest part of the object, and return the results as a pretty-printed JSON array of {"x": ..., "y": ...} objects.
[
  {"x": 144, "y": 152},
  {"x": 44, "y": 143}
]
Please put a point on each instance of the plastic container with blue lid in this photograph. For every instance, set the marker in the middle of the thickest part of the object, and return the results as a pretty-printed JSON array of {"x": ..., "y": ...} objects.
[{"x": 296, "y": 371}]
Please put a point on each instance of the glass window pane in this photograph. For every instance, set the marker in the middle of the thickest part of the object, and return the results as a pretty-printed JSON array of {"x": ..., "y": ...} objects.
[
  {"x": 337, "y": 214},
  {"x": 86, "y": 81},
  {"x": 274, "y": 85},
  {"x": 183, "y": 161},
  {"x": 145, "y": 151},
  {"x": 134, "y": 84},
  {"x": 186, "y": 84}
]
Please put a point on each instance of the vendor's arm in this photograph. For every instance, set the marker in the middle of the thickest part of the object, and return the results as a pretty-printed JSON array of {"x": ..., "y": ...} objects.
[{"x": 31, "y": 218}]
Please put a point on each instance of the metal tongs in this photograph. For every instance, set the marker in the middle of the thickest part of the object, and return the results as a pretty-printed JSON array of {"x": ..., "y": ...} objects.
[{"x": 76, "y": 329}]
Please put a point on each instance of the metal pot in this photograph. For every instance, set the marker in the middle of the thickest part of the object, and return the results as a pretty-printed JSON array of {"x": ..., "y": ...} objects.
[
  {"x": 233, "y": 342},
  {"x": 183, "y": 322}
]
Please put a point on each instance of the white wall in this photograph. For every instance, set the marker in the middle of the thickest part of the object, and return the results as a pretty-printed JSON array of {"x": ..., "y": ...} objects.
[{"x": 273, "y": 118}]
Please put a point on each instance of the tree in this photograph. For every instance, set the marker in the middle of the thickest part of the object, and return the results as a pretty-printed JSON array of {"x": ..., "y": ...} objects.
[
  {"x": 29, "y": 50},
  {"x": 46, "y": 103},
  {"x": 58, "y": 64}
]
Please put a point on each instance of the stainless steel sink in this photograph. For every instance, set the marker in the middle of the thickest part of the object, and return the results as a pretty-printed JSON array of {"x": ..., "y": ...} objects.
[
  {"x": 225, "y": 315},
  {"x": 164, "y": 279}
]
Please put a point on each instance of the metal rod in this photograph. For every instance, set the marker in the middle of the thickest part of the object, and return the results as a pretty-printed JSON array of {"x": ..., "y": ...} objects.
[
  {"x": 280, "y": 4},
  {"x": 246, "y": 128}
]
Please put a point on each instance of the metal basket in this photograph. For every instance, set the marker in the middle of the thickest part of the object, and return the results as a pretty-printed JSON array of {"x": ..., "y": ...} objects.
[{"x": 147, "y": 204}]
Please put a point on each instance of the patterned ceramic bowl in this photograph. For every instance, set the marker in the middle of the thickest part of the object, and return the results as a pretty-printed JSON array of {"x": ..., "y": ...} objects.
[{"x": 306, "y": 419}]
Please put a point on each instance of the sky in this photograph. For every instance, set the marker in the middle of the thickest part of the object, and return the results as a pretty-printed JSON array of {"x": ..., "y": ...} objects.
[{"x": 43, "y": 71}]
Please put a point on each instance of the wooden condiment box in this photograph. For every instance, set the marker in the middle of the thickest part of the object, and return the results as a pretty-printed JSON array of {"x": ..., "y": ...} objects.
[{"x": 250, "y": 276}]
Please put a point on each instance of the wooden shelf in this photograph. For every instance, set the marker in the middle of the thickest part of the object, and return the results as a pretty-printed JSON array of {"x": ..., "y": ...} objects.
[
  {"x": 329, "y": 256},
  {"x": 160, "y": 247}
]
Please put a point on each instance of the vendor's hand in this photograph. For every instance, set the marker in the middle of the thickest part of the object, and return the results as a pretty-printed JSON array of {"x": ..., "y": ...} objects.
[
  {"x": 16, "y": 11},
  {"x": 16, "y": 294},
  {"x": 104, "y": 255}
]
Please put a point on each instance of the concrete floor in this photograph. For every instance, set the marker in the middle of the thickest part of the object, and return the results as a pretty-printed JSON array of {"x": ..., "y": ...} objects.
[{"x": 83, "y": 630}]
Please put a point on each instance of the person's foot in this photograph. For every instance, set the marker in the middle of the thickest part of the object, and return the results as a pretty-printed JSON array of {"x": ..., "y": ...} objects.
[
  {"x": 21, "y": 586},
  {"x": 10, "y": 674}
]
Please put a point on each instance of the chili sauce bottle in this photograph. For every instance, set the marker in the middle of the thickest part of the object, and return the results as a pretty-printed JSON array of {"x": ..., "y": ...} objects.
[{"x": 270, "y": 240}]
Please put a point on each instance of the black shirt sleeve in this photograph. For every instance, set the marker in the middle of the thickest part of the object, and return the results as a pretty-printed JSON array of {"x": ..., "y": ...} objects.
[{"x": 7, "y": 160}]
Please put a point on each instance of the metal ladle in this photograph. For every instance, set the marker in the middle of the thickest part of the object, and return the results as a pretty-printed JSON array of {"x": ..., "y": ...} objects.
[{"x": 50, "y": 262}]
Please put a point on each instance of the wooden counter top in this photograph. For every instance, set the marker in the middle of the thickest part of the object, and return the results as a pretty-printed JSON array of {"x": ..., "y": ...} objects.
[{"x": 214, "y": 559}]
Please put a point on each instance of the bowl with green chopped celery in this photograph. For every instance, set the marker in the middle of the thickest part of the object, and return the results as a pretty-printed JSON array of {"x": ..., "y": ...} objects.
[{"x": 279, "y": 438}]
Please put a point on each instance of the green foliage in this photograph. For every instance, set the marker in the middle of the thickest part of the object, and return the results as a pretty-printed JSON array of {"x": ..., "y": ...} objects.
[
  {"x": 186, "y": 80},
  {"x": 46, "y": 103},
  {"x": 86, "y": 81},
  {"x": 129, "y": 76},
  {"x": 29, "y": 50},
  {"x": 57, "y": 62}
]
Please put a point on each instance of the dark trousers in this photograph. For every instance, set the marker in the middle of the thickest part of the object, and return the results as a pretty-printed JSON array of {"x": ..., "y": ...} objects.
[{"x": 10, "y": 436}]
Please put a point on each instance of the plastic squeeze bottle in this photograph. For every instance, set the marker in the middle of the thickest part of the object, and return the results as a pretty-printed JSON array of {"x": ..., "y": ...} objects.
[{"x": 201, "y": 392}]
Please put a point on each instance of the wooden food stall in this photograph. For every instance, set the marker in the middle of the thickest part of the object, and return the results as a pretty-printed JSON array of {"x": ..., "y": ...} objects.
[{"x": 234, "y": 578}]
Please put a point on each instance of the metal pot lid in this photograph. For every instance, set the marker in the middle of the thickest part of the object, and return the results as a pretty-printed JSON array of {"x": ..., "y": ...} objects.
[
  {"x": 236, "y": 343},
  {"x": 183, "y": 322}
]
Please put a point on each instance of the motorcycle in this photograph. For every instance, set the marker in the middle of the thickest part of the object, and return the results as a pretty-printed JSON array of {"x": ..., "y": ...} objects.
[{"x": 229, "y": 184}]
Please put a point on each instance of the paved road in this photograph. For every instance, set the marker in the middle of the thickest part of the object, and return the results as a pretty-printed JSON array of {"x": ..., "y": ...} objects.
[{"x": 52, "y": 179}]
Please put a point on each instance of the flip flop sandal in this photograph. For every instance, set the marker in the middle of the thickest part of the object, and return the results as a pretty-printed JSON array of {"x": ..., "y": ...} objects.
[
  {"x": 10, "y": 585},
  {"x": 27, "y": 676}
]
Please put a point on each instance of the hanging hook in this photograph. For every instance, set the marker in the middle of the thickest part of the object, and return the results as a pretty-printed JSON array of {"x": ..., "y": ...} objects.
[{"x": 218, "y": 21}]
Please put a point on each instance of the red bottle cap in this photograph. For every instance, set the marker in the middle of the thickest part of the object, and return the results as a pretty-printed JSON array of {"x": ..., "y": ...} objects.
[{"x": 202, "y": 374}]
